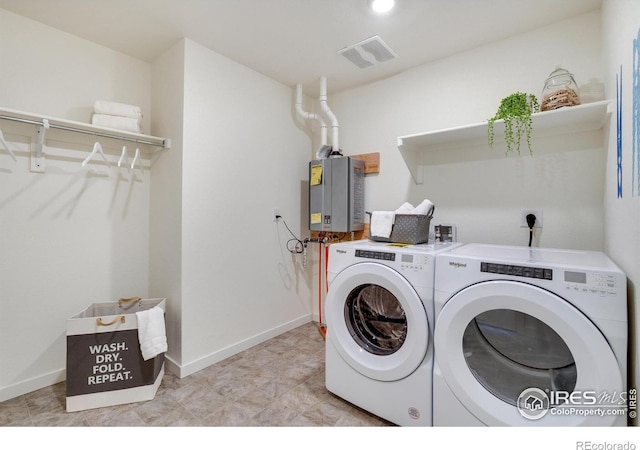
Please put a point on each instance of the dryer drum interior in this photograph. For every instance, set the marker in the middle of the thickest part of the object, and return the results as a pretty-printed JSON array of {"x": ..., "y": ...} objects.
[
  {"x": 510, "y": 351},
  {"x": 376, "y": 320}
]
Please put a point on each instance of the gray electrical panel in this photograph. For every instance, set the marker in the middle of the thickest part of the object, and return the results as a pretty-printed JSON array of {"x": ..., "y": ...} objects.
[{"x": 336, "y": 194}]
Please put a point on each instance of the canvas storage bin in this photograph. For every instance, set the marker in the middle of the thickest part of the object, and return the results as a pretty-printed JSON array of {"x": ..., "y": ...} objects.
[
  {"x": 105, "y": 366},
  {"x": 407, "y": 229}
]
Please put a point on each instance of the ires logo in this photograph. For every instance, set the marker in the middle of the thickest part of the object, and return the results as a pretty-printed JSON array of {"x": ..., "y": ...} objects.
[
  {"x": 535, "y": 403},
  {"x": 457, "y": 265}
]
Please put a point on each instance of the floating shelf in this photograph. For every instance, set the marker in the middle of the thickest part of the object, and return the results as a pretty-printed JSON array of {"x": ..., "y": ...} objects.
[{"x": 563, "y": 121}]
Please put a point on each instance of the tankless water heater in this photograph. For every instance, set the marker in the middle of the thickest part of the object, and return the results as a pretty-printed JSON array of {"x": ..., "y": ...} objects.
[{"x": 336, "y": 194}]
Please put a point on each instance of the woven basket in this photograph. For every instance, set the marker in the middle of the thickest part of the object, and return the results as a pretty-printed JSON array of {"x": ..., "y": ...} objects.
[{"x": 407, "y": 229}]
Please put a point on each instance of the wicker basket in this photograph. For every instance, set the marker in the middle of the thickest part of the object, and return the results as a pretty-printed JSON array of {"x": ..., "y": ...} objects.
[{"x": 407, "y": 229}]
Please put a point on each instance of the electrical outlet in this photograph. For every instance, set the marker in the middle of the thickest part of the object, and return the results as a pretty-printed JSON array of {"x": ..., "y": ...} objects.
[
  {"x": 276, "y": 213},
  {"x": 535, "y": 212}
]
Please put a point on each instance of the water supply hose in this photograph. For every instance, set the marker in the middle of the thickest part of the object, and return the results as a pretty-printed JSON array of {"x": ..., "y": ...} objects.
[{"x": 320, "y": 282}]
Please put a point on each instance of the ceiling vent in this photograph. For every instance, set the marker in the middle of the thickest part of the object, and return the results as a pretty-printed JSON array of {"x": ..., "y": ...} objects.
[{"x": 368, "y": 53}]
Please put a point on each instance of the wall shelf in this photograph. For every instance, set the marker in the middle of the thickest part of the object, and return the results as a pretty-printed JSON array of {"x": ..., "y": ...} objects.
[
  {"x": 564, "y": 121},
  {"x": 85, "y": 128},
  {"x": 44, "y": 123}
]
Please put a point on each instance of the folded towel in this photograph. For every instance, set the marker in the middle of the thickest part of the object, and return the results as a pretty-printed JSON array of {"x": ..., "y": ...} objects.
[
  {"x": 151, "y": 332},
  {"x": 117, "y": 109},
  {"x": 405, "y": 208},
  {"x": 117, "y": 123},
  {"x": 381, "y": 223},
  {"x": 425, "y": 208}
]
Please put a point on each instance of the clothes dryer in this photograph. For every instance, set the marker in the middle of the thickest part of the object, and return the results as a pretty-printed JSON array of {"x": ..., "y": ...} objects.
[
  {"x": 379, "y": 314},
  {"x": 529, "y": 337}
]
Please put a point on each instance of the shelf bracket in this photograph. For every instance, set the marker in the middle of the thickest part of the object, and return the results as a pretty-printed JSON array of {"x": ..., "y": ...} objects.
[
  {"x": 38, "y": 160},
  {"x": 413, "y": 160}
]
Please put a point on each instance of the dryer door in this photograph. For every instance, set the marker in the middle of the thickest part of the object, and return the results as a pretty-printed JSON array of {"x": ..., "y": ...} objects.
[
  {"x": 516, "y": 354},
  {"x": 377, "y": 321}
]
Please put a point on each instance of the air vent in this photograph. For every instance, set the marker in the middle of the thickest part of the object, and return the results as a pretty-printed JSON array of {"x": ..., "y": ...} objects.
[{"x": 368, "y": 53}]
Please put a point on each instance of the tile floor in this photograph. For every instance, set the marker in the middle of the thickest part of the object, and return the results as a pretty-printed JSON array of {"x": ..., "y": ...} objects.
[{"x": 277, "y": 383}]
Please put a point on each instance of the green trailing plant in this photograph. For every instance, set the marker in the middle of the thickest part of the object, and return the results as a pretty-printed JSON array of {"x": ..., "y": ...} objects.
[{"x": 516, "y": 111}]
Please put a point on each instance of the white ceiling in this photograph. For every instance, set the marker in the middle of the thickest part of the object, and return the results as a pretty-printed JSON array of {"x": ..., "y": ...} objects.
[{"x": 296, "y": 41}]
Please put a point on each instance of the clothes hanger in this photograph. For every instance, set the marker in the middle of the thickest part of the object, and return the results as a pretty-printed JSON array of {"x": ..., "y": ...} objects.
[
  {"x": 97, "y": 148},
  {"x": 123, "y": 157},
  {"x": 136, "y": 158},
  {"x": 6, "y": 146}
]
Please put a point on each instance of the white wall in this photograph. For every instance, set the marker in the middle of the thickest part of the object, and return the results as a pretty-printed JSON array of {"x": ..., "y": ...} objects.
[
  {"x": 73, "y": 235},
  {"x": 621, "y": 25},
  {"x": 204, "y": 237},
  {"x": 56, "y": 74},
  {"x": 165, "y": 249},
  {"x": 480, "y": 189},
  {"x": 242, "y": 156}
]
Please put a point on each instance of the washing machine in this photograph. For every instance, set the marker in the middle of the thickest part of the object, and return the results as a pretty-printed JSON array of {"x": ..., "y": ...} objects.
[
  {"x": 379, "y": 317},
  {"x": 529, "y": 337}
]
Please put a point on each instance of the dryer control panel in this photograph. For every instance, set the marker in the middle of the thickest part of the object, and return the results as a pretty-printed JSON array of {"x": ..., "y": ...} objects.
[
  {"x": 517, "y": 271},
  {"x": 594, "y": 282}
]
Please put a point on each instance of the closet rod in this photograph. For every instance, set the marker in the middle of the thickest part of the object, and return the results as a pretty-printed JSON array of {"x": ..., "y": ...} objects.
[{"x": 93, "y": 133}]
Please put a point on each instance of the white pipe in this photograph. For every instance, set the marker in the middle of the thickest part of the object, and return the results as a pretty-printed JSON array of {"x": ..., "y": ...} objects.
[
  {"x": 310, "y": 116},
  {"x": 329, "y": 114}
]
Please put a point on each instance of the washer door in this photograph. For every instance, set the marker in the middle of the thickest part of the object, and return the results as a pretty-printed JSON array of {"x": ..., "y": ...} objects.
[
  {"x": 377, "y": 321},
  {"x": 497, "y": 339}
]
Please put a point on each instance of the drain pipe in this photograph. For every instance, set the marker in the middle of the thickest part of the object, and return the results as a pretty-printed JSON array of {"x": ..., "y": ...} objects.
[
  {"x": 329, "y": 115},
  {"x": 310, "y": 116}
]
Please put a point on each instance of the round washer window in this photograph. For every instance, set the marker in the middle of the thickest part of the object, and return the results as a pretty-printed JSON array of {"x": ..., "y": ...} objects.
[
  {"x": 375, "y": 319},
  {"x": 509, "y": 351}
]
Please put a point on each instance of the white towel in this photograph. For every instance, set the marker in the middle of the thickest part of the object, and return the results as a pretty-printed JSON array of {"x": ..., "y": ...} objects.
[
  {"x": 117, "y": 123},
  {"x": 405, "y": 208},
  {"x": 151, "y": 332},
  {"x": 117, "y": 109},
  {"x": 424, "y": 208},
  {"x": 381, "y": 223}
]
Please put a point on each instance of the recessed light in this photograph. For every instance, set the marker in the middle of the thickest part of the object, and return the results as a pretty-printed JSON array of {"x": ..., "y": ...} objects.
[{"x": 382, "y": 6}]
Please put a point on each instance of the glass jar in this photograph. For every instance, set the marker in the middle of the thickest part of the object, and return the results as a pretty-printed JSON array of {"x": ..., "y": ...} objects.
[{"x": 560, "y": 90}]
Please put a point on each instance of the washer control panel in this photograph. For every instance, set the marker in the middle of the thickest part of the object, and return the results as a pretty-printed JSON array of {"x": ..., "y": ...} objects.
[
  {"x": 401, "y": 261},
  {"x": 372, "y": 254},
  {"x": 414, "y": 262}
]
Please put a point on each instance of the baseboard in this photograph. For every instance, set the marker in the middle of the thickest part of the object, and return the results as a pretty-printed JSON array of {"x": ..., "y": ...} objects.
[
  {"x": 185, "y": 370},
  {"x": 32, "y": 384}
]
